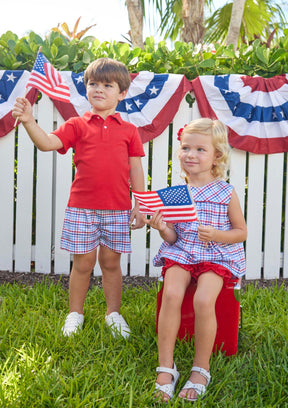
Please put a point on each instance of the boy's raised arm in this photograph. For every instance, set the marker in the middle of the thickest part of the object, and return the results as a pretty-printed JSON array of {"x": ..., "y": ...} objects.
[{"x": 22, "y": 110}]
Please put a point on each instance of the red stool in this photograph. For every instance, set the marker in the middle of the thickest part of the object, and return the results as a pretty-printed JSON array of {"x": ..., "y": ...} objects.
[{"x": 227, "y": 314}]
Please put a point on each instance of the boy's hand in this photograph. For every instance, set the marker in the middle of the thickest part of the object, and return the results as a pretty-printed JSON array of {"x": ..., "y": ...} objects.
[
  {"x": 138, "y": 218},
  {"x": 22, "y": 110}
]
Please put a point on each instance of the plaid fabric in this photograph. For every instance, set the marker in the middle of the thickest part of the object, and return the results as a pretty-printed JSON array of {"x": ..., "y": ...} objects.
[
  {"x": 84, "y": 230},
  {"x": 211, "y": 203}
]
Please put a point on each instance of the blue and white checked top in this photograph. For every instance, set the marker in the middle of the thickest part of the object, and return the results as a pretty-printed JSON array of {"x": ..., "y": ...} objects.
[{"x": 212, "y": 202}]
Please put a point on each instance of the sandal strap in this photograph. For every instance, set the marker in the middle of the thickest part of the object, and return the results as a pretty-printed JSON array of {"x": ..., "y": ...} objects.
[
  {"x": 200, "y": 389},
  {"x": 202, "y": 372},
  {"x": 173, "y": 371},
  {"x": 165, "y": 388}
]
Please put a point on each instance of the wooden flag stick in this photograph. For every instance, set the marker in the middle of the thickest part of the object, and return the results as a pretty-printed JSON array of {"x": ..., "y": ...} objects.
[{"x": 193, "y": 202}]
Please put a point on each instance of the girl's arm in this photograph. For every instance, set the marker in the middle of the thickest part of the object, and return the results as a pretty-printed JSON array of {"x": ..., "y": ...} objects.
[
  {"x": 22, "y": 110},
  {"x": 166, "y": 230},
  {"x": 238, "y": 233},
  {"x": 137, "y": 184}
]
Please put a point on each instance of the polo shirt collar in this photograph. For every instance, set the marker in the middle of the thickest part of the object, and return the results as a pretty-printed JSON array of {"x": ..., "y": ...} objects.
[{"x": 89, "y": 115}]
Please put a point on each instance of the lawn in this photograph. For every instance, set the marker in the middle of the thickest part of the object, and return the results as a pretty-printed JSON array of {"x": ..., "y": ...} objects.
[{"x": 40, "y": 368}]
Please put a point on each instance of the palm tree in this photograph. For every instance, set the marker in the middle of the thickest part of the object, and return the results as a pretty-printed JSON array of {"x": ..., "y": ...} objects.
[
  {"x": 261, "y": 19},
  {"x": 235, "y": 22},
  {"x": 135, "y": 14},
  {"x": 184, "y": 19}
]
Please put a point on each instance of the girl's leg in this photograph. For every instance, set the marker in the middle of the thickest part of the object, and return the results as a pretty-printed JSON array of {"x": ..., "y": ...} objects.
[
  {"x": 82, "y": 267},
  {"x": 209, "y": 286},
  {"x": 176, "y": 283},
  {"x": 109, "y": 262}
]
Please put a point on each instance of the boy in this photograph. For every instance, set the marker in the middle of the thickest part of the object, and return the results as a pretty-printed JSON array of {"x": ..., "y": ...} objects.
[{"x": 107, "y": 155}]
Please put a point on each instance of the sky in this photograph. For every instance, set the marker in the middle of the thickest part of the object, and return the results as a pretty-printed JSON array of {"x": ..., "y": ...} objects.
[
  {"x": 22, "y": 16},
  {"x": 110, "y": 17}
]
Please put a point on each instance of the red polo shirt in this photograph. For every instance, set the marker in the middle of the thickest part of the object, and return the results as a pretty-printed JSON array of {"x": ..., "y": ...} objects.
[{"x": 102, "y": 150}]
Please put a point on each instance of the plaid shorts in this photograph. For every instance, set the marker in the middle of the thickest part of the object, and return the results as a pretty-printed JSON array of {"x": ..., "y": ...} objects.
[{"x": 85, "y": 229}]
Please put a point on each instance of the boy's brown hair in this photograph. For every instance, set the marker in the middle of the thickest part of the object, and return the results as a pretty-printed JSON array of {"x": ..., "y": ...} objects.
[{"x": 108, "y": 70}]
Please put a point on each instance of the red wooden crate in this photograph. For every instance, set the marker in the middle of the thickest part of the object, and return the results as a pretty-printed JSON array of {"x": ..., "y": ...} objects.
[{"x": 227, "y": 314}]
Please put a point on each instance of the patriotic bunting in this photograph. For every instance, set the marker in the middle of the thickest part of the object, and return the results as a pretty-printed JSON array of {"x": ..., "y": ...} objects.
[
  {"x": 12, "y": 85},
  {"x": 255, "y": 109}
]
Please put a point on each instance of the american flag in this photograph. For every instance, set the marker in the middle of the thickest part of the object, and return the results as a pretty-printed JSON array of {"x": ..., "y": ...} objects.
[
  {"x": 173, "y": 202},
  {"x": 48, "y": 80}
]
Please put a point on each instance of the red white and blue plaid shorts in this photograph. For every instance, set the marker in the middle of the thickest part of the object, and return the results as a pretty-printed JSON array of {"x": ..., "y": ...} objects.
[{"x": 85, "y": 229}]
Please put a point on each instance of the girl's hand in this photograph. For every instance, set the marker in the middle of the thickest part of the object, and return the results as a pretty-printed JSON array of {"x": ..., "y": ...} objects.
[
  {"x": 22, "y": 110},
  {"x": 206, "y": 233},
  {"x": 156, "y": 221}
]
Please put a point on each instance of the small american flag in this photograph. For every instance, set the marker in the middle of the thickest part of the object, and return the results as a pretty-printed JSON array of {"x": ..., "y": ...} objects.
[
  {"x": 48, "y": 80},
  {"x": 173, "y": 202}
]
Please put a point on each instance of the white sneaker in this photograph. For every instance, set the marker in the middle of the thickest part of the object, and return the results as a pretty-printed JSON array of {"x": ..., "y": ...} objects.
[
  {"x": 73, "y": 322},
  {"x": 117, "y": 324}
]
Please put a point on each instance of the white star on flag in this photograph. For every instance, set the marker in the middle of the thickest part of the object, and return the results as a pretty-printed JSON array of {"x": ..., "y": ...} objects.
[{"x": 154, "y": 90}]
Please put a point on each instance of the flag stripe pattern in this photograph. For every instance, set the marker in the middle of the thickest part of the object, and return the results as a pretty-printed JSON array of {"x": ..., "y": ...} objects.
[
  {"x": 48, "y": 80},
  {"x": 174, "y": 203}
]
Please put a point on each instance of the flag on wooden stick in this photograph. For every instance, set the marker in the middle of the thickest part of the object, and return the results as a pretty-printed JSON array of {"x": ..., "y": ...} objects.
[{"x": 173, "y": 202}]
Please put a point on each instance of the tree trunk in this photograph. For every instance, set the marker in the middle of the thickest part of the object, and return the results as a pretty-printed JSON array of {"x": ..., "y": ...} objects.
[
  {"x": 193, "y": 16},
  {"x": 235, "y": 22},
  {"x": 135, "y": 15}
]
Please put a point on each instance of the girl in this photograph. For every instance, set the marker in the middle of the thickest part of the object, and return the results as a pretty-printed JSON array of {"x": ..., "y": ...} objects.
[{"x": 210, "y": 254}]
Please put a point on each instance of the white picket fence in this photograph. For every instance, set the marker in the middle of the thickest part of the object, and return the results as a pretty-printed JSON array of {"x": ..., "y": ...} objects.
[{"x": 28, "y": 244}]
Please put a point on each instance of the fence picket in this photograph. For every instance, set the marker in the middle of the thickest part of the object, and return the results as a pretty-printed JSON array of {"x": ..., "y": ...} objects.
[
  {"x": 7, "y": 148},
  {"x": 254, "y": 216},
  {"x": 138, "y": 237},
  {"x": 285, "y": 225},
  {"x": 43, "y": 245},
  {"x": 62, "y": 184},
  {"x": 24, "y": 203},
  {"x": 273, "y": 214},
  {"x": 159, "y": 180}
]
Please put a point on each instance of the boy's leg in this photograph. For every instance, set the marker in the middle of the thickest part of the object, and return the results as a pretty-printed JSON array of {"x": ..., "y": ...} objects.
[
  {"x": 176, "y": 282},
  {"x": 209, "y": 286},
  {"x": 82, "y": 267},
  {"x": 109, "y": 262}
]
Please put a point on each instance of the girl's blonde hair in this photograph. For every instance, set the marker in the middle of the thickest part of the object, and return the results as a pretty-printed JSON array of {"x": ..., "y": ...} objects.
[{"x": 219, "y": 133}]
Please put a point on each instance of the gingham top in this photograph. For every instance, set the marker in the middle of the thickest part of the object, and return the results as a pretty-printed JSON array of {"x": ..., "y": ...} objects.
[{"x": 211, "y": 202}]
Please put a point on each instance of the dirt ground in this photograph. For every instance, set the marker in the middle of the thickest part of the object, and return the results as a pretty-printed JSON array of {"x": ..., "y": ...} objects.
[{"x": 30, "y": 279}]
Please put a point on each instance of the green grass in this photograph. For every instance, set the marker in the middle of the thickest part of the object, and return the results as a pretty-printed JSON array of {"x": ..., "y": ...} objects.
[{"x": 40, "y": 368}]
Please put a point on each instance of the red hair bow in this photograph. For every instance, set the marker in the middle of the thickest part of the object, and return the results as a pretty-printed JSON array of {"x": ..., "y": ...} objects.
[{"x": 179, "y": 133}]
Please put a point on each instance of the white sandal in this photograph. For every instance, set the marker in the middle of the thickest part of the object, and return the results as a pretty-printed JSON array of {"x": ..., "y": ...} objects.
[
  {"x": 200, "y": 389},
  {"x": 167, "y": 388}
]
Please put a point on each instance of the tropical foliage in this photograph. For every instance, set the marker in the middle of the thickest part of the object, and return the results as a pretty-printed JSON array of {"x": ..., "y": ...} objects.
[{"x": 185, "y": 58}]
